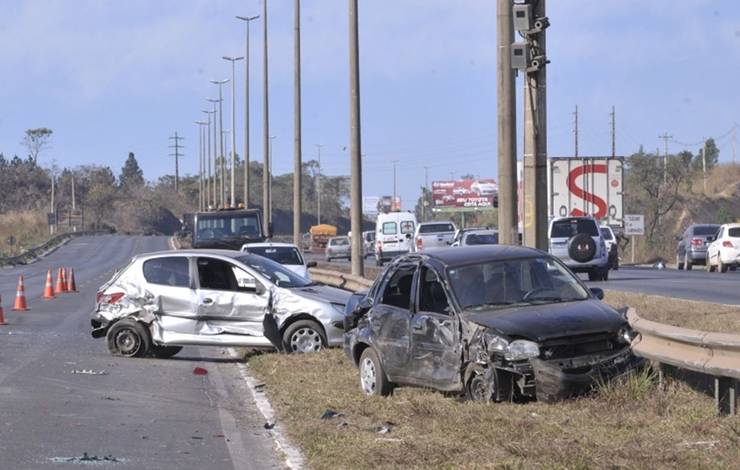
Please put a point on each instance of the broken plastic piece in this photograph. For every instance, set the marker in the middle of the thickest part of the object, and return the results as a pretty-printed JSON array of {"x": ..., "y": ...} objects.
[
  {"x": 200, "y": 371},
  {"x": 331, "y": 414}
]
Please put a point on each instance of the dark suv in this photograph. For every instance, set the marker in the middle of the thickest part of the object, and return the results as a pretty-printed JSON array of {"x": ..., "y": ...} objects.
[
  {"x": 692, "y": 245},
  {"x": 495, "y": 322}
]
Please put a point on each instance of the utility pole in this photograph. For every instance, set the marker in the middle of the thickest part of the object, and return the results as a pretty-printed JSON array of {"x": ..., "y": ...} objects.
[
  {"x": 575, "y": 131},
  {"x": 704, "y": 165},
  {"x": 734, "y": 137},
  {"x": 269, "y": 189},
  {"x": 210, "y": 192},
  {"x": 202, "y": 166},
  {"x": 506, "y": 125},
  {"x": 215, "y": 187},
  {"x": 222, "y": 155},
  {"x": 247, "y": 20},
  {"x": 614, "y": 132},
  {"x": 535, "y": 136},
  {"x": 233, "y": 61},
  {"x": 52, "y": 227},
  {"x": 297, "y": 164},
  {"x": 318, "y": 186},
  {"x": 425, "y": 199},
  {"x": 665, "y": 138},
  {"x": 176, "y": 139},
  {"x": 358, "y": 268},
  {"x": 74, "y": 199},
  {"x": 266, "y": 176},
  {"x": 394, "y": 182}
]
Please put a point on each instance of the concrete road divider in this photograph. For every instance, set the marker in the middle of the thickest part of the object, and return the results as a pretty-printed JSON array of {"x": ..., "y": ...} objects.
[{"x": 713, "y": 354}]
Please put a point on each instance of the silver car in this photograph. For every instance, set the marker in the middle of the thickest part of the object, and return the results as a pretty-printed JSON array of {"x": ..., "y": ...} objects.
[
  {"x": 578, "y": 242},
  {"x": 163, "y": 301},
  {"x": 338, "y": 247}
]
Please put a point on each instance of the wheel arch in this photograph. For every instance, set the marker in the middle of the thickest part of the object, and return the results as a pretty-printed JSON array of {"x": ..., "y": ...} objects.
[{"x": 302, "y": 316}]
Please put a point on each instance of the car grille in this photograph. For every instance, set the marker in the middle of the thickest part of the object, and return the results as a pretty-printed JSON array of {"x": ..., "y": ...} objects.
[{"x": 575, "y": 346}]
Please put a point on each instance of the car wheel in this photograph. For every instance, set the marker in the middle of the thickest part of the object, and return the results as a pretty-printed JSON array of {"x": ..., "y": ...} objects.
[
  {"x": 605, "y": 274},
  {"x": 165, "y": 352},
  {"x": 721, "y": 267},
  {"x": 733, "y": 267},
  {"x": 477, "y": 388},
  {"x": 710, "y": 267},
  {"x": 304, "y": 336},
  {"x": 593, "y": 275},
  {"x": 378, "y": 262},
  {"x": 687, "y": 263},
  {"x": 373, "y": 380},
  {"x": 129, "y": 338},
  {"x": 679, "y": 264},
  {"x": 616, "y": 263}
]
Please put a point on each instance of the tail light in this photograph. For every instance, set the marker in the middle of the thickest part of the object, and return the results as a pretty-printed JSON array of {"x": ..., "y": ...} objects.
[
  {"x": 419, "y": 243},
  {"x": 109, "y": 299},
  {"x": 728, "y": 244},
  {"x": 697, "y": 242}
]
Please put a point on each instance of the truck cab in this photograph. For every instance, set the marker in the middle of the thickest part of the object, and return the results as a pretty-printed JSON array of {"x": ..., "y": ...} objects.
[{"x": 228, "y": 229}]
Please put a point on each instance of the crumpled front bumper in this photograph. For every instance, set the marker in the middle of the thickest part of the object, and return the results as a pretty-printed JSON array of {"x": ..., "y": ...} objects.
[{"x": 554, "y": 382}]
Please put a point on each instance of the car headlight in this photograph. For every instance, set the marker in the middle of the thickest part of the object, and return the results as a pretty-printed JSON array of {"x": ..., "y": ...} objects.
[
  {"x": 626, "y": 335},
  {"x": 521, "y": 349},
  {"x": 338, "y": 307},
  {"x": 495, "y": 343}
]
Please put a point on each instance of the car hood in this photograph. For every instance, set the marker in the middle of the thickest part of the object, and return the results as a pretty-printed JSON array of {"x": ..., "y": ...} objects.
[
  {"x": 542, "y": 322},
  {"x": 299, "y": 269},
  {"x": 323, "y": 293}
]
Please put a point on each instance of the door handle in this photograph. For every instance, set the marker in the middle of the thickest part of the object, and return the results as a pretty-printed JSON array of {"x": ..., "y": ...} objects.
[{"x": 207, "y": 301}]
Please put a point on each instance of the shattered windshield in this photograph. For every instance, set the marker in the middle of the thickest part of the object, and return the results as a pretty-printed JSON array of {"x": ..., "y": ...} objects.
[
  {"x": 276, "y": 273},
  {"x": 514, "y": 282}
]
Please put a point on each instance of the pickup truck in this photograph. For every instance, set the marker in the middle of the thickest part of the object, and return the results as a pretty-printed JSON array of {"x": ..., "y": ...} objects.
[{"x": 433, "y": 235}]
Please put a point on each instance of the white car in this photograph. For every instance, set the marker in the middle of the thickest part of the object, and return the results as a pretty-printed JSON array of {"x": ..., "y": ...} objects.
[
  {"x": 578, "y": 242},
  {"x": 724, "y": 252},
  {"x": 286, "y": 254},
  {"x": 484, "y": 189},
  {"x": 477, "y": 237}
]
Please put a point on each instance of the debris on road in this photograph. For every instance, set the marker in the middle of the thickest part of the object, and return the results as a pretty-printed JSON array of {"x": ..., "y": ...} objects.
[
  {"x": 89, "y": 372},
  {"x": 200, "y": 371},
  {"x": 87, "y": 459},
  {"x": 331, "y": 414},
  {"x": 385, "y": 427},
  {"x": 269, "y": 425}
]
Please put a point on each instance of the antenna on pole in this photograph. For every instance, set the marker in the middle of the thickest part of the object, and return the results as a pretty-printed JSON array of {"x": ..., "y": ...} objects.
[{"x": 176, "y": 138}]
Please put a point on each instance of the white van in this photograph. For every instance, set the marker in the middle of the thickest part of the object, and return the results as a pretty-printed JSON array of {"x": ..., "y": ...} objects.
[{"x": 394, "y": 235}]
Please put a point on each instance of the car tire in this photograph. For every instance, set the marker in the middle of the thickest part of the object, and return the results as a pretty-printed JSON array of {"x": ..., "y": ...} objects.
[
  {"x": 593, "y": 275},
  {"x": 709, "y": 266},
  {"x": 616, "y": 263},
  {"x": 721, "y": 267},
  {"x": 165, "y": 352},
  {"x": 687, "y": 263},
  {"x": 679, "y": 264},
  {"x": 605, "y": 275},
  {"x": 373, "y": 380},
  {"x": 378, "y": 262},
  {"x": 129, "y": 338},
  {"x": 581, "y": 248},
  {"x": 304, "y": 336}
]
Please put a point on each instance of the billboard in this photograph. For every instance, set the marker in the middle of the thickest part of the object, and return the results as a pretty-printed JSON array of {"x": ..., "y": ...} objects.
[
  {"x": 464, "y": 194},
  {"x": 587, "y": 186}
]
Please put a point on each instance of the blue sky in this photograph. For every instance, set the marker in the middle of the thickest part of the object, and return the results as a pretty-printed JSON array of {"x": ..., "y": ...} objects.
[{"x": 111, "y": 77}]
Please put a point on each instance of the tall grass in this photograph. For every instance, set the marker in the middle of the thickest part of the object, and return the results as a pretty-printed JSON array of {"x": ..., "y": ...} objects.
[{"x": 29, "y": 228}]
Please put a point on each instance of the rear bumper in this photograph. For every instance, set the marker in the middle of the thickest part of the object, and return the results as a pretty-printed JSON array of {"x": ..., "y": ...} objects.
[{"x": 697, "y": 256}]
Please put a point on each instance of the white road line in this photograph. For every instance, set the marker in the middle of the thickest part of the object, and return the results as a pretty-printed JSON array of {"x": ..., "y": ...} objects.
[{"x": 293, "y": 458}]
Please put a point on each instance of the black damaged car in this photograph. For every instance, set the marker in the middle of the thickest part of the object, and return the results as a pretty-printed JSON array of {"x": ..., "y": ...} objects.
[{"x": 497, "y": 323}]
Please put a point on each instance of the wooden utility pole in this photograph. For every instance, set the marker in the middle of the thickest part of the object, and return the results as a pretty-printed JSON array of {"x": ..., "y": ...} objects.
[
  {"x": 665, "y": 138},
  {"x": 297, "y": 164},
  {"x": 176, "y": 139},
  {"x": 508, "y": 217}
]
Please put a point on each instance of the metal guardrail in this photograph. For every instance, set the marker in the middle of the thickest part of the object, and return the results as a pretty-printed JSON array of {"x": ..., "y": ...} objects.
[
  {"x": 341, "y": 280},
  {"x": 713, "y": 354},
  {"x": 32, "y": 254}
]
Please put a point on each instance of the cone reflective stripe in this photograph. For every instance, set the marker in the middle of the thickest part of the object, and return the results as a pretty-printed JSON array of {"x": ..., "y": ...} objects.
[
  {"x": 64, "y": 279},
  {"x": 2, "y": 313},
  {"x": 71, "y": 285},
  {"x": 20, "y": 296},
  {"x": 48, "y": 287},
  {"x": 59, "y": 288}
]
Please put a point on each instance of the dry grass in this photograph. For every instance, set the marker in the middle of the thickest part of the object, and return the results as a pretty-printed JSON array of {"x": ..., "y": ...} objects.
[
  {"x": 28, "y": 227},
  {"x": 677, "y": 312},
  {"x": 629, "y": 425}
]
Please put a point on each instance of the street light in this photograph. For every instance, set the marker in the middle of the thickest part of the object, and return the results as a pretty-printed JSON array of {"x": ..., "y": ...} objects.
[
  {"x": 233, "y": 124},
  {"x": 318, "y": 187},
  {"x": 220, "y": 84},
  {"x": 201, "y": 165},
  {"x": 269, "y": 188},
  {"x": 215, "y": 151},
  {"x": 210, "y": 194},
  {"x": 247, "y": 20}
]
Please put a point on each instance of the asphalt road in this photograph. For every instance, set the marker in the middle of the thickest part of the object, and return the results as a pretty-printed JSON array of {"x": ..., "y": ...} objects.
[
  {"x": 144, "y": 413},
  {"x": 691, "y": 285}
]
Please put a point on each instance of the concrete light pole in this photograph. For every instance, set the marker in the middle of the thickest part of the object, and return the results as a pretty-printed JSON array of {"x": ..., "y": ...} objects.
[
  {"x": 358, "y": 268},
  {"x": 297, "y": 164},
  {"x": 222, "y": 155},
  {"x": 507, "y": 179},
  {"x": 318, "y": 187},
  {"x": 210, "y": 192},
  {"x": 201, "y": 165},
  {"x": 266, "y": 176},
  {"x": 233, "y": 125},
  {"x": 215, "y": 187},
  {"x": 269, "y": 168},
  {"x": 247, "y": 20}
]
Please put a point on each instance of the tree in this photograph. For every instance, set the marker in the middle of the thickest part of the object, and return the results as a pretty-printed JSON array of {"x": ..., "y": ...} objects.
[
  {"x": 36, "y": 140},
  {"x": 131, "y": 174},
  {"x": 712, "y": 156}
]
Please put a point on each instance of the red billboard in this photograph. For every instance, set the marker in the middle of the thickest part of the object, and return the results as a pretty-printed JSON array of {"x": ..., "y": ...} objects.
[{"x": 465, "y": 193}]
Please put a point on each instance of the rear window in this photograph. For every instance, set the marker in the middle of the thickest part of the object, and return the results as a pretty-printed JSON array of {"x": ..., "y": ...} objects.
[
  {"x": 339, "y": 242},
  {"x": 606, "y": 233},
  {"x": 279, "y": 254},
  {"x": 567, "y": 228},
  {"x": 172, "y": 271},
  {"x": 482, "y": 239},
  {"x": 435, "y": 228},
  {"x": 734, "y": 232},
  {"x": 705, "y": 229},
  {"x": 407, "y": 226},
  {"x": 390, "y": 228}
]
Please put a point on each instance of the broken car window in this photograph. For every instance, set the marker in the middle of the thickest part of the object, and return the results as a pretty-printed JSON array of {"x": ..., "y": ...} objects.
[
  {"x": 432, "y": 296},
  {"x": 398, "y": 290},
  {"x": 171, "y": 271}
]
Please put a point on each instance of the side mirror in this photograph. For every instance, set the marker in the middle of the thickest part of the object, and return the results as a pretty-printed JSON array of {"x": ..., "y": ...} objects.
[
  {"x": 311, "y": 264},
  {"x": 597, "y": 292}
]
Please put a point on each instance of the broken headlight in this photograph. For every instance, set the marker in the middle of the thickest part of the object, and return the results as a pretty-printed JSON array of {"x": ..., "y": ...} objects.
[
  {"x": 495, "y": 343},
  {"x": 521, "y": 349},
  {"x": 626, "y": 335}
]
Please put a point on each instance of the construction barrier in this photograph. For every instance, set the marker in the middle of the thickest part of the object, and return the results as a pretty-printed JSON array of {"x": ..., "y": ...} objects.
[
  {"x": 20, "y": 304},
  {"x": 48, "y": 286}
]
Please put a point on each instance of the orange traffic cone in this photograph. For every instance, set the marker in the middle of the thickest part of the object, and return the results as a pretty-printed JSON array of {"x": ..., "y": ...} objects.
[
  {"x": 48, "y": 287},
  {"x": 20, "y": 296},
  {"x": 2, "y": 314},
  {"x": 71, "y": 285},
  {"x": 64, "y": 279},
  {"x": 59, "y": 288}
]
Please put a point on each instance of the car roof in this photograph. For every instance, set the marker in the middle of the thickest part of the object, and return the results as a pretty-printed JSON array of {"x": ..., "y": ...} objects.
[
  {"x": 437, "y": 222},
  {"x": 269, "y": 244},
  {"x": 191, "y": 252},
  {"x": 459, "y": 256},
  {"x": 481, "y": 230}
]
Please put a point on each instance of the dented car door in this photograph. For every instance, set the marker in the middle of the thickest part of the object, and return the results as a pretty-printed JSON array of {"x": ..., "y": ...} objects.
[
  {"x": 435, "y": 337},
  {"x": 169, "y": 281}
]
